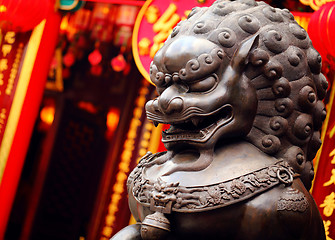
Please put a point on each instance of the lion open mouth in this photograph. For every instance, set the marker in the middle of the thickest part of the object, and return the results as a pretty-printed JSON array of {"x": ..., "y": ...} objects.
[{"x": 198, "y": 128}]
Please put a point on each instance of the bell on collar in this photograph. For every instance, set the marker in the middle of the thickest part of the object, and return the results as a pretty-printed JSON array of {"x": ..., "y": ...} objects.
[{"x": 155, "y": 226}]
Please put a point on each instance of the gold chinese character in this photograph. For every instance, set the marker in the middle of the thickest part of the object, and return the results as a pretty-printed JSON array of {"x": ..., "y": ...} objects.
[
  {"x": 168, "y": 20},
  {"x": 331, "y": 180},
  {"x": 163, "y": 27},
  {"x": 327, "y": 225},
  {"x": 152, "y": 14},
  {"x": 328, "y": 205},
  {"x": 6, "y": 48},
  {"x": 10, "y": 37},
  {"x": 332, "y": 154},
  {"x": 332, "y": 131},
  {"x": 143, "y": 46},
  {"x": 3, "y": 64}
]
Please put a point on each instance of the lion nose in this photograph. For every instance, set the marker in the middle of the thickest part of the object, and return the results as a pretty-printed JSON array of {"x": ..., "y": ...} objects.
[
  {"x": 169, "y": 101},
  {"x": 174, "y": 105}
]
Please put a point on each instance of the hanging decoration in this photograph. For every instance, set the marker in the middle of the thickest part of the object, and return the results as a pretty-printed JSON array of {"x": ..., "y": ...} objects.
[
  {"x": 106, "y": 26},
  {"x": 118, "y": 63},
  {"x": 72, "y": 39},
  {"x": 102, "y": 22},
  {"x": 22, "y": 15},
  {"x": 77, "y": 23},
  {"x": 95, "y": 57},
  {"x": 112, "y": 122},
  {"x": 96, "y": 70},
  {"x": 124, "y": 23},
  {"x": 322, "y": 32},
  {"x": 47, "y": 115},
  {"x": 69, "y": 58}
]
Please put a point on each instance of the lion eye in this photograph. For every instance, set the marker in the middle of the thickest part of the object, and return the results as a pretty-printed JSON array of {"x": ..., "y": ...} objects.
[{"x": 203, "y": 85}]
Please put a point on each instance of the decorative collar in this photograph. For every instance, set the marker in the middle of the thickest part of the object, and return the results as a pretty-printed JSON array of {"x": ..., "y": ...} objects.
[{"x": 165, "y": 197}]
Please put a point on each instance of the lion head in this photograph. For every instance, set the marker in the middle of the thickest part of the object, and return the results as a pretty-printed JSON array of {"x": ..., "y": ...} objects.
[{"x": 241, "y": 69}]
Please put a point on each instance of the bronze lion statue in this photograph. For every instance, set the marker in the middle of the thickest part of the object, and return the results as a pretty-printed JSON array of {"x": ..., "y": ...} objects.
[{"x": 241, "y": 86}]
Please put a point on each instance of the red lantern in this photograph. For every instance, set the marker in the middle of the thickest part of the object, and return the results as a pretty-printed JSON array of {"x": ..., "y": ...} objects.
[
  {"x": 22, "y": 15},
  {"x": 95, "y": 57},
  {"x": 322, "y": 31},
  {"x": 118, "y": 63}
]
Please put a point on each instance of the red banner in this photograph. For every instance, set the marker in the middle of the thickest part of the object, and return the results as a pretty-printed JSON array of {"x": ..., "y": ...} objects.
[
  {"x": 12, "y": 46},
  {"x": 25, "y": 65},
  {"x": 324, "y": 183},
  {"x": 12, "y": 50}
]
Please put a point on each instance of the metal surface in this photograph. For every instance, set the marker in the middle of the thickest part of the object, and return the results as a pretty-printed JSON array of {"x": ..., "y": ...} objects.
[{"x": 240, "y": 84}]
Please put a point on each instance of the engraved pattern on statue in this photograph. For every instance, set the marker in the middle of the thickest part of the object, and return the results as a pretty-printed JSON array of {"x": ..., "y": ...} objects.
[
  {"x": 164, "y": 197},
  {"x": 292, "y": 200}
]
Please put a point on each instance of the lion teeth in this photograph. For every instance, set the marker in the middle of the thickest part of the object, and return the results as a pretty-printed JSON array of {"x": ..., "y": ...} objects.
[{"x": 155, "y": 123}]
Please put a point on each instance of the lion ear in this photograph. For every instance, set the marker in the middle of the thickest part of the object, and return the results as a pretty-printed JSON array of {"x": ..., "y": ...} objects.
[{"x": 240, "y": 58}]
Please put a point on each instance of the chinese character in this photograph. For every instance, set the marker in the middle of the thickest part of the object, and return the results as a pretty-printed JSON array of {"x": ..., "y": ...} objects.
[
  {"x": 328, "y": 205},
  {"x": 168, "y": 20},
  {"x": 163, "y": 27},
  {"x": 331, "y": 180},
  {"x": 6, "y": 48},
  {"x": 143, "y": 46},
  {"x": 332, "y": 154},
  {"x": 3, "y": 113},
  {"x": 152, "y": 14},
  {"x": 332, "y": 131},
  {"x": 327, "y": 225},
  {"x": 3, "y": 64},
  {"x": 10, "y": 37}
]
